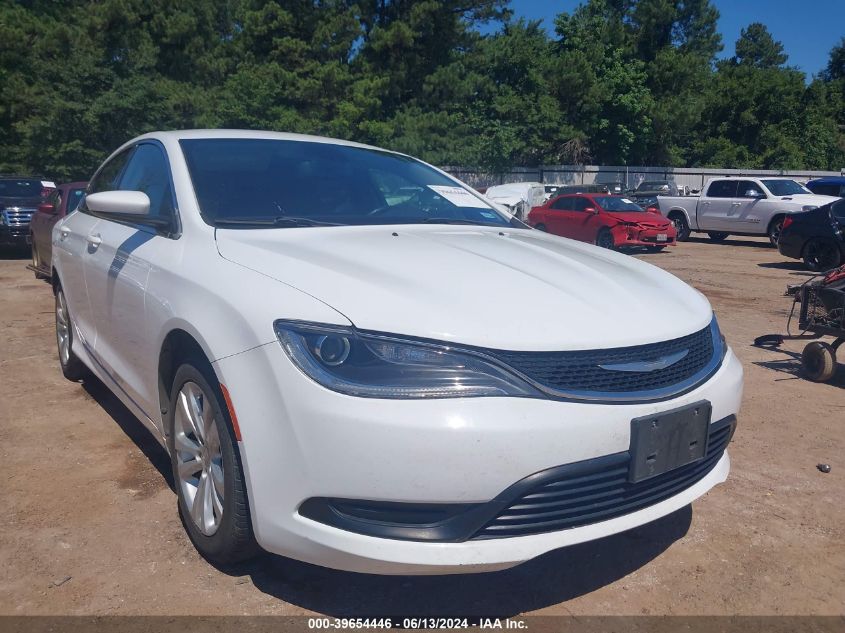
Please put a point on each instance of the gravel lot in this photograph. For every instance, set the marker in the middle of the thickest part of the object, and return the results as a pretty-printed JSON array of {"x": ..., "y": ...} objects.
[{"x": 89, "y": 523}]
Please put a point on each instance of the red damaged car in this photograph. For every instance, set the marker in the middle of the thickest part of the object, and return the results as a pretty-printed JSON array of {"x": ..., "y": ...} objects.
[{"x": 604, "y": 220}]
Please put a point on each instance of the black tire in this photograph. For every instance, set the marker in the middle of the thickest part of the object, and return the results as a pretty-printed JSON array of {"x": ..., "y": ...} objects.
[
  {"x": 775, "y": 227},
  {"x": 542, "y": 227},
  {"x": 681, "y": 226},
  {"x": 36, "y": 263},
  {"x": 233, "y": 542},
  {"x": 605, "y": 240},
  {"x": 821, "y": 255},
  {"x": 72, "y": 368},
  {"x": 718, "y": 237},
  {"x": 819, "y": 361}
]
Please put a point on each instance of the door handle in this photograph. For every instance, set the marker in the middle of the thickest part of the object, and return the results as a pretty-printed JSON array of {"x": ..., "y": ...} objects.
[
  {"x": 63, "y": 233},
  {"x": 735, "y": 204},
  {"x": 94, "y": 239}
]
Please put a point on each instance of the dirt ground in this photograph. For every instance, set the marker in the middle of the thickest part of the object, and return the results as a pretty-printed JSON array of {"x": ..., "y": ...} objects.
[{"x": 89, "y": 523}]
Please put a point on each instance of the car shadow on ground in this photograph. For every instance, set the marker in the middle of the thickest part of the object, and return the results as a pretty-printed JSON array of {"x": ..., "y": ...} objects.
[
  {"x": 798, "y": 267},
  {"x": 733, "y": 241},
  {"x": 550, "y": 579},
  {"x": 131, "y": 426},
  {"x": 790, "y": 366}
]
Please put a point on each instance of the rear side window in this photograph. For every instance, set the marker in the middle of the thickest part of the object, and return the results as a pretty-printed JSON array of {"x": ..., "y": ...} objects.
[
  {"x": 838, "y": 210},
  {"x": 106, "y": 179},
  {"x": 562, "y": 204},
  {"x": 722, "y": 189},
  {"x": 147, "y": 171}
]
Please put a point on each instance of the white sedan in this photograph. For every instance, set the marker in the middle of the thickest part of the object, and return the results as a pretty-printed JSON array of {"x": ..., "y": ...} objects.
[{"x": 355, "y": 361}]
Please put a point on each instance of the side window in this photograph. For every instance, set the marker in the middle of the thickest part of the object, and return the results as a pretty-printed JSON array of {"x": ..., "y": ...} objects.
[
  {"x": 825, "y": 190},
  {"x": 579, "y": 204},
  {"x": 722, "y": 189},
  {"x": 838, "y": 210},
  {"x": 745, "y": 186},
  {"x": 55, "y": 199},
  {"x": 147, "y": 172},
  {"x": 106, "y": 178},
  {"x": 562, "y": 204}
]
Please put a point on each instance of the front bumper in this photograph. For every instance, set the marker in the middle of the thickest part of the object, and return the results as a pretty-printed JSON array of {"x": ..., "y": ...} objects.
[
  {"x": 634, "y": 236},
  {"x": 301, "y": 441},
  {"x": 14, "y": 235}
]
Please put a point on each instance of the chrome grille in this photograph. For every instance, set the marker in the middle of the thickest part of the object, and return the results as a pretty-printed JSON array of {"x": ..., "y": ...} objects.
[{"x": 18, "y": 216}]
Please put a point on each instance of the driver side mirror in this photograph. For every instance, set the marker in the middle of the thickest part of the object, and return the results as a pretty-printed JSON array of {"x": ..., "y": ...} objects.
[
  {"x": 135, "y": 203},
  {"x": 592, "y": 210},
  {"x": 751, "y": 193},
  {"x": 48, "y": 208}
]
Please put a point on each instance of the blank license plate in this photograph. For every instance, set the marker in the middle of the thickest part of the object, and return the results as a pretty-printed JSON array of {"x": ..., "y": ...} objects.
[
  {"x": 668, "y": 440},
  {"x": 662, "y": 237}
]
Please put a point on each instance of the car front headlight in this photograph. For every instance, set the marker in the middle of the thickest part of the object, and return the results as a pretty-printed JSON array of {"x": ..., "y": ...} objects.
[{"x": 384, "y": 366}]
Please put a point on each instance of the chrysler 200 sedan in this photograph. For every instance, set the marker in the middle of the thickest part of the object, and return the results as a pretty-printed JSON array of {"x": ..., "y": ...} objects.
[{"x": 355, "y": 361}]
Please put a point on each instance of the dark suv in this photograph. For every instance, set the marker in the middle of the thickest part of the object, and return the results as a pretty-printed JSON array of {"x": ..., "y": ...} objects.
[{"x": 19, "y": 198}]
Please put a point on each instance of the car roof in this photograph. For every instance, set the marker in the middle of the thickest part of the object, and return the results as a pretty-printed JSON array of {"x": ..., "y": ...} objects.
[
  {"x": 179, "y": 135},
  {"x": 829, "y": 180}
]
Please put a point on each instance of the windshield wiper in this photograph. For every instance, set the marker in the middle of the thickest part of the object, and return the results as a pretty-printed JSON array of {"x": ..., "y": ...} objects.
[
  {"x": 452, "y": 221},
  {"x": 279, "y": 221}
]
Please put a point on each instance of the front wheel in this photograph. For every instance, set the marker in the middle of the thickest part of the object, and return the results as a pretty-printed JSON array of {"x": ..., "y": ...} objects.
[
  {"x": 821, "y": 255},
  {"x": 774, "y": 230},
  {"x": 681, "y": 226},
  {"x": 210, "y": 483},
  {"x": 605, "y": 240},
  {"x": 819, "y": 361}
]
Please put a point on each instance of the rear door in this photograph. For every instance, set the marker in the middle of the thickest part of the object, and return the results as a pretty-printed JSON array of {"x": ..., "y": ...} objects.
[
  {"x": 715, "y": 208},
  {"x": 559, "y": 216},
  {"x": 119, "y": 267}
]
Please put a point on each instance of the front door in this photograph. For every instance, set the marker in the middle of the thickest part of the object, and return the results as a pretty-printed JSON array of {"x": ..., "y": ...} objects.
[{"x": 119, "y": 267}]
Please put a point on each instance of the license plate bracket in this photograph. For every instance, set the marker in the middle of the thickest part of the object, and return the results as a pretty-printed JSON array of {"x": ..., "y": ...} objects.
[{"x": 667, "y": 440}]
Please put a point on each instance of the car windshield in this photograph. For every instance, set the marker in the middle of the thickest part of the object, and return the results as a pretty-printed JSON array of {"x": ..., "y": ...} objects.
[
  {"x": 651, "y": 185},
  {"x": 260, "y": 183},
  {"x": 784, "y": 187},
  {"x": 20, "y": 188},
  {"x": 617, "y": 203}
]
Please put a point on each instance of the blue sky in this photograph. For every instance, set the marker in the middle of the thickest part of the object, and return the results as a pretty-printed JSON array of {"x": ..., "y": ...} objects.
[{"x": 808, "y": 29}]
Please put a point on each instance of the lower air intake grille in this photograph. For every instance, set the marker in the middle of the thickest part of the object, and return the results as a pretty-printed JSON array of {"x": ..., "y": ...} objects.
[{"x": 598, "y": 490}]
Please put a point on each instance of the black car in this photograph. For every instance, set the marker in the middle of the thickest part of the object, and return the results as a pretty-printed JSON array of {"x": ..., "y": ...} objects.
[
  {"x": 817, "y": 236},
  {"x": 19, "y": 199}
]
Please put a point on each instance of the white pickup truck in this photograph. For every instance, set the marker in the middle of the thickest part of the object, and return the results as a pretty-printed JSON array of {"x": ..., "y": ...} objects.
[{"x": 739, "y": 206}]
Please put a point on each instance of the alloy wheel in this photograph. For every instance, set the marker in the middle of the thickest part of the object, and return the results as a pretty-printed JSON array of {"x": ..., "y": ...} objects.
[
  {"x": 62, "y": 327},
  {"x": 774, "y": 231},
  {"x": 605, "y": 240},
  {"x": 199, "y": 458},
  {"x": 821, "y": 255}
]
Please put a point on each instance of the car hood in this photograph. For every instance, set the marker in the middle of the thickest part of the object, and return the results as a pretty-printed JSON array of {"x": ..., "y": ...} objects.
[
  {"x": 639, "y": 217},
  {"x": 513, "y": 289},
  {"x": 808, "y": 199}
]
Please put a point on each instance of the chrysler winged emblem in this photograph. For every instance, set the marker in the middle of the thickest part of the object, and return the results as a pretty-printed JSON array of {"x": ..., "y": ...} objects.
[{"x": 648, "y": 365}]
